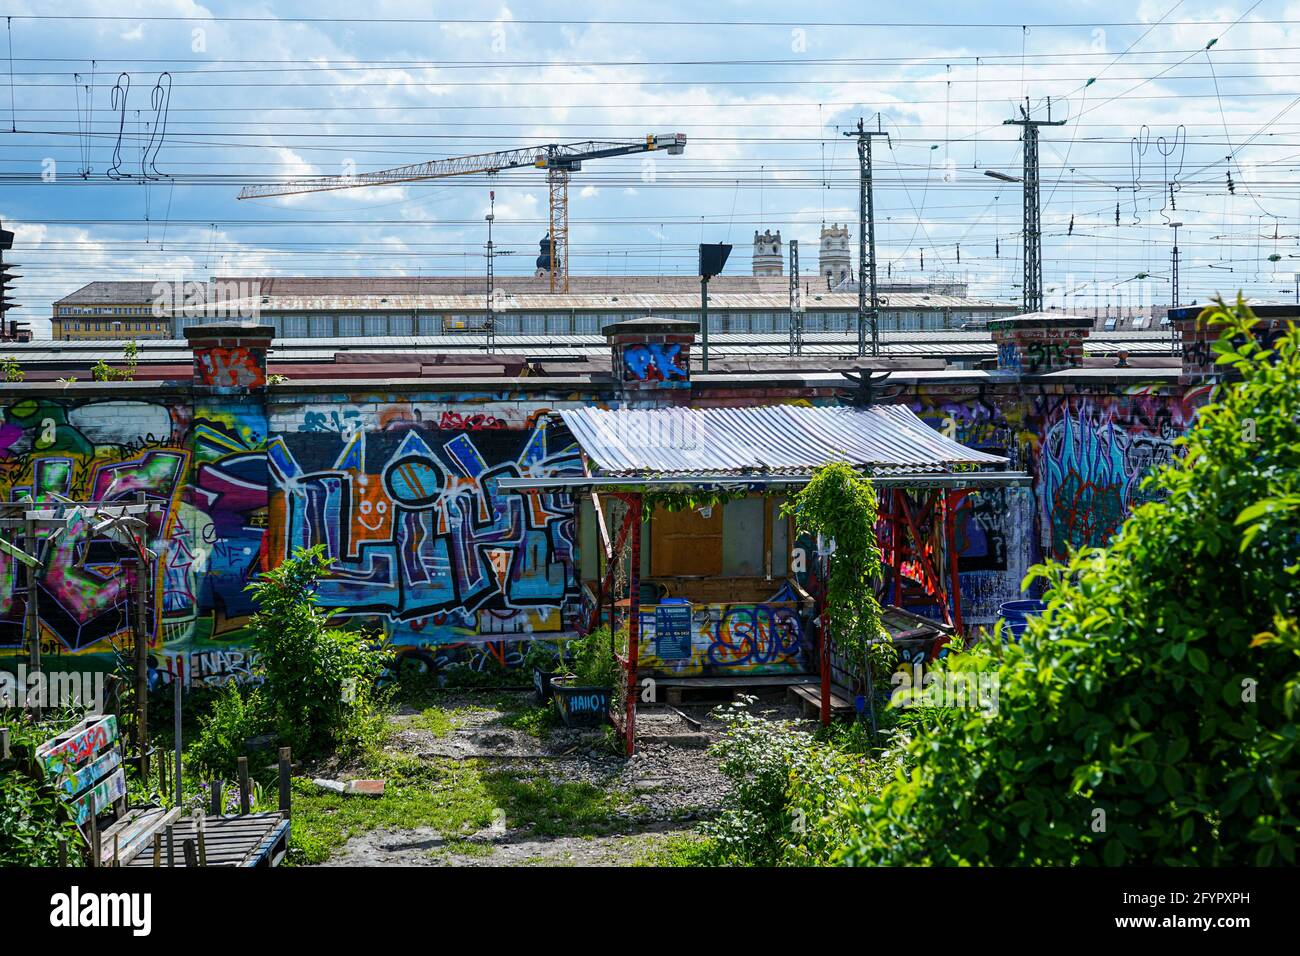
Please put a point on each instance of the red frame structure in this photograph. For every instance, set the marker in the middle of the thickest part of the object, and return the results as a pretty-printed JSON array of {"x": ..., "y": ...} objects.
[
  {"x": 917, "y": 535},
  {"x": 613, "y": 550}
]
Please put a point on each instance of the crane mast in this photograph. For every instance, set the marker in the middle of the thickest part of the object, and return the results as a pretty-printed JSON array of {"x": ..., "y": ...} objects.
[{"x": 558, "y": 159}]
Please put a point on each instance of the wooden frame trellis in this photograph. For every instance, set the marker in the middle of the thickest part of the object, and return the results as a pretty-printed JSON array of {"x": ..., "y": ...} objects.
[{"x": 38, "y": 525}]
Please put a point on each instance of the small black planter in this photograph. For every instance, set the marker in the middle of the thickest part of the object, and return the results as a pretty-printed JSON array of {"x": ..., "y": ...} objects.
[
  {"x": 542, "y": 683},
  {"x": 581, "y": 706}
]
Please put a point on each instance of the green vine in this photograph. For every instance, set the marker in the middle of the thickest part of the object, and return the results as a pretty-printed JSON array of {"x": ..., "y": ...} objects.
[
  {"x": 840, "y": 505},
  {"x": 690, "y": 500}
]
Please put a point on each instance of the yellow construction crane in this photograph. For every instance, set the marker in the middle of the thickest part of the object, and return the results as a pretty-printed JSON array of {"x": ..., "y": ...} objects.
[{"x": 558, "y": 159}]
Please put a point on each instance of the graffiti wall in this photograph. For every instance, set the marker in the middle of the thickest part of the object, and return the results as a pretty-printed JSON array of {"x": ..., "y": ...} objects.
[
  {"x": 1094, "y": 453},
  {"x": 402, "y": 495},
  {"x": 402, "y": 490},
  {"x": 1087, "y": 453}
]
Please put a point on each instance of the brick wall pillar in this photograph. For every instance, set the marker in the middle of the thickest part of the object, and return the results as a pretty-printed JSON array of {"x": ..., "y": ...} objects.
[
  {"x": 652, "y": 357},
  {"x": 230, "y": 357},
  {"x": 1198, "y": 340},
  {"x": 1039, "y": 342}
]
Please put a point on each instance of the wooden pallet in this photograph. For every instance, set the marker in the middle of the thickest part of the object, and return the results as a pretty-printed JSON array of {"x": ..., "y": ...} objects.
[
  {"x": 702, "y": 690},
  {"x": 254, "y": 839},
  {"x": 809, "y": 696},
  {"x": 133, "y": 834}
]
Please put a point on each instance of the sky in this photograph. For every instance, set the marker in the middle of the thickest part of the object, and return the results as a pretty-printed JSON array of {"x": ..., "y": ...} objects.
[{"x": 132, "y": 126}]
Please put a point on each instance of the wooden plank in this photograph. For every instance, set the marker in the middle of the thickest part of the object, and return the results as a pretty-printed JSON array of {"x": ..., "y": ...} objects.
[
  {"x": 94, "y": 800},
  {"x": 139, "y": 832},
  {"x": 74, "y": 747},
  {"x": 756, "y": 680},
  {"x": 73, "y": 783},
  {"x": 266, "y": 852}
]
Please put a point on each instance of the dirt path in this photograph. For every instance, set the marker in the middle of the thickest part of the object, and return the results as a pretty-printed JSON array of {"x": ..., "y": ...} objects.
[
  {"x": 636, "y": 804},
  {"x": 518, "y": 848}
]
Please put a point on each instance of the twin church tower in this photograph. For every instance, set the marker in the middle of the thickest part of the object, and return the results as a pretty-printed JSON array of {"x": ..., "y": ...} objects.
[{"x": 833, "y": 257}]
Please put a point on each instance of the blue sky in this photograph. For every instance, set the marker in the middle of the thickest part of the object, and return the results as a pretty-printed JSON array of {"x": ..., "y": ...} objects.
[{"x": 762, "y": 95}]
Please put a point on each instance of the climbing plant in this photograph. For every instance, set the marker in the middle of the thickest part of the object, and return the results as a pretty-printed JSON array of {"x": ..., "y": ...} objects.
[{"x": 839, "y": 505}]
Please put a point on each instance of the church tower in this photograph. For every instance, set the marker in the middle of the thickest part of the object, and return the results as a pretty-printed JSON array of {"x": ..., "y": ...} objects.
[
  {"x": 833, "y": 263},
  {"x": 768, "y": 258}
]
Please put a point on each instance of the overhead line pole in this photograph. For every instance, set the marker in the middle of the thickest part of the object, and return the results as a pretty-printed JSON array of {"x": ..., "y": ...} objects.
[
  {"x": 867, "y": 238},
  {"x": 1032, "y": 280}
]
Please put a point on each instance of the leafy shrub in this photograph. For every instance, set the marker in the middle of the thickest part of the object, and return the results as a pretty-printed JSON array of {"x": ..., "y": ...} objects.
[
  {"x": 33, "y": 817},
  {"x": 1148, "y": 717},
  {"x": 839, "y": 505},
  {"x": 592, "y": 660},
  {"x": 234, "y": 717},
  {"x": 320, "y": 689},
  {"x": 786, "y": 792}
]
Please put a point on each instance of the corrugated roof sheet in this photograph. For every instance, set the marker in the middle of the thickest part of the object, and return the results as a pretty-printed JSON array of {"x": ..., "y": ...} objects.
[{"x": 774, "y": 439}]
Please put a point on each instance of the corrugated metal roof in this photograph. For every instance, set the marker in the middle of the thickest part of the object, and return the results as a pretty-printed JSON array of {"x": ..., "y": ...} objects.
[{"x": 784, "y": 439}]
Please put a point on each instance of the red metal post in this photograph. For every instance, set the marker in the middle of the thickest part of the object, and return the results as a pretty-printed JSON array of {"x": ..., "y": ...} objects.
[
  {"x": 634, "y": 620},
  {"x": 824, "y": 652},
  {"x": 897, "y": 541},
  {"x": 950, "y": 501}
]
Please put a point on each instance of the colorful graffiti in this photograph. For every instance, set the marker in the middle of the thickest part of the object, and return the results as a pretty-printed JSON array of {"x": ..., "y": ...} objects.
[
  {"x": 1087, "y": 455},
  {"x": 1095, "y": 454},
  {"x": 403, "y": 491},
  {"x": 657, "y": 362},
  {"x": 202, "y": 472},
  {"x": 423, "y": 539},
  {"x": 734, "y": 638},
  {"x": 229, "y": 368}
]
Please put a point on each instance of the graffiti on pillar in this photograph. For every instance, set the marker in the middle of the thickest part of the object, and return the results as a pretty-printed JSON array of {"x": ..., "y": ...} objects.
[
  {"x": 656, "y": 362},
  {"x": 235, "y": 367}
]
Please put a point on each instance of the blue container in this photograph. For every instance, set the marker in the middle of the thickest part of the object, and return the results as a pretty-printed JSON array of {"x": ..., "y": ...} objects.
[
  {"x": 1019, "y": 612},
  {"x": 1017, "y": 615}
]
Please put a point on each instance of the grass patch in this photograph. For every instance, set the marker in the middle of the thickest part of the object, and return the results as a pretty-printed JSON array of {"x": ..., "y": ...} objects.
[
  {"x": 680, "y": 849},
  {"x": 469, "y": 848},
  {"x": 551, "y": 808},
  {"x": 537, "y": 721},
  {"x": 446, "y": 795}
]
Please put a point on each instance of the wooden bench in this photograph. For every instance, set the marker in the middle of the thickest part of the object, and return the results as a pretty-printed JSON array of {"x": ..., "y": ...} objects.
[
  {"x": 809, "y": 697},
  {"x": 701, "y": 690},
  {"x": 85, "y": 765}
]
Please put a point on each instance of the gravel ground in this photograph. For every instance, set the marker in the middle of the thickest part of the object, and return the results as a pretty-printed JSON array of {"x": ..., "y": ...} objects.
[{"x": 667, "y": 787}]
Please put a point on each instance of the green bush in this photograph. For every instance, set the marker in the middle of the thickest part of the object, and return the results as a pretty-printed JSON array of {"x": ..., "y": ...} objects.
[
  {"x": 786, "y": 789},
  {"x": 320, "y": 682},
  {"x": 1148, "y": 717},
  {"x": 33, "y": 817},
  {"x": 592, "y": 660},
  {"x": 234, "y": 717}
]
